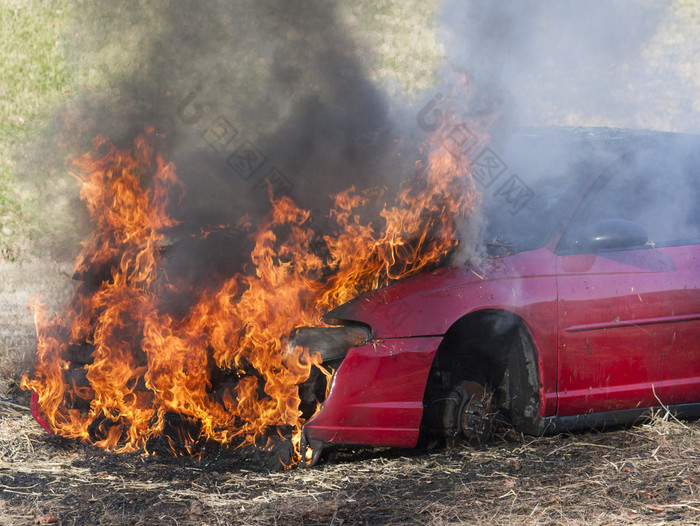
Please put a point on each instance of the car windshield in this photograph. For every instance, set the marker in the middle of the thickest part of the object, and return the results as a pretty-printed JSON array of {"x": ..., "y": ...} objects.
[
  {"x": 542, "y": 175},
  {"x": 531, "y": 225}
]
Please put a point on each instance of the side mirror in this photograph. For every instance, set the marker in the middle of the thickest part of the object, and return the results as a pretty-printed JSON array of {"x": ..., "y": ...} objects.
[{"x": 611, "y": 234}]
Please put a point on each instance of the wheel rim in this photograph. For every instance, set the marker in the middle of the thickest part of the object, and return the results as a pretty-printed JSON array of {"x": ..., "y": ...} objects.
[
  {"x": 476, "y": 417},
  {"x": 468, "y": 412}
]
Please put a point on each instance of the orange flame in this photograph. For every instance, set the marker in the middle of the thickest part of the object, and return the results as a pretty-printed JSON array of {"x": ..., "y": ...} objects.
[{"x": 146, "y": 365}]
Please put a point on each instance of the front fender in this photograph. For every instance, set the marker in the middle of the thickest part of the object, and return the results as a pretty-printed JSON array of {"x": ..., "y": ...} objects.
[
  {"x": 376, "y": 396},
  {"x": 428, "y": 304}
]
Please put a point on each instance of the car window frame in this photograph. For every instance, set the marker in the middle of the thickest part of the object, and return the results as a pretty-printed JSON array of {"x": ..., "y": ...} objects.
[{"x": 596, "y": 186}]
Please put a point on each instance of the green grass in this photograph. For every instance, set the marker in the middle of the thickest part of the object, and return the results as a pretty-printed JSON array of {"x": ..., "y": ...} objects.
[
  {"x": 33, "y": 79},
  {"x": 402, "y": 38},
  {"x": 33, "y": 71}
]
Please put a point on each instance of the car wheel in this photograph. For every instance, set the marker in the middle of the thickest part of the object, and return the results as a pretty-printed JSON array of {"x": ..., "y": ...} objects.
[{"x": 468, "y": 413}]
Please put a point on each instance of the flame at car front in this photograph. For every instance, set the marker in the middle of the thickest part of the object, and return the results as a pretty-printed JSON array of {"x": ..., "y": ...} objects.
[{"x": 222, "y": 366}]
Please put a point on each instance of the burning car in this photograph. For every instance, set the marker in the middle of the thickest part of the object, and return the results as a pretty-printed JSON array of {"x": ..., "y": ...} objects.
[
  {"x": 584, "y": 312},
  {"x": 580, "y": 308}
]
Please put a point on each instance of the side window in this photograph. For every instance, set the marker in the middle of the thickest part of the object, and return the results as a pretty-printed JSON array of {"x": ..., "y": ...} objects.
[{"x": 645, "y": 193}]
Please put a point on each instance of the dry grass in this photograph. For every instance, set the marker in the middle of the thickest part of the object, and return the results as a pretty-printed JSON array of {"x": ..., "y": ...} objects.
[
  {"x": 18, "y": 282},
  {"x": 646, "y": 474}
]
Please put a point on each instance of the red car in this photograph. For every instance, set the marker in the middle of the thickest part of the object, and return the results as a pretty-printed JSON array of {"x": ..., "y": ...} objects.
[{"x": 585, "y": 313}]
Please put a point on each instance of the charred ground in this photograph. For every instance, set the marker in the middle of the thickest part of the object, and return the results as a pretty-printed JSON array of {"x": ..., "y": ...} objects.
[{"x": 649, "y": 473}]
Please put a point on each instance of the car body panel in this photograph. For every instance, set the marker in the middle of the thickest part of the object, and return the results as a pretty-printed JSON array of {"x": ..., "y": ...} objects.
[
  {"x": 614, "y": 332},
  {"x": 629, "y": 329},
  {"x": 362, "y": 407},
  {"x": 357, "y": 403},
  {"x": 429, "y": 303}
]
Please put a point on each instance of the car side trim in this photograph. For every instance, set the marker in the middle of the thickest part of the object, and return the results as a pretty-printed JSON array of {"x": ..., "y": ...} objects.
[
  {"x": 614, "y": 324},
  {"x": 559, "y": 424}
]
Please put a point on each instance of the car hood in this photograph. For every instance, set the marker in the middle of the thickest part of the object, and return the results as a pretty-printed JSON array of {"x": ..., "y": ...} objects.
[{"x": 428, "y": 303}]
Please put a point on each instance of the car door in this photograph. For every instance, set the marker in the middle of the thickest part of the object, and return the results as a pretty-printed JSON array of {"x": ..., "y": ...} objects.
[{"x": 628, "y": 309}]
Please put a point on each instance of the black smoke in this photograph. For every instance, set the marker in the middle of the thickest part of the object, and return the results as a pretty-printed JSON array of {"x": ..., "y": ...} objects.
[{"x": 249, "y": 99}]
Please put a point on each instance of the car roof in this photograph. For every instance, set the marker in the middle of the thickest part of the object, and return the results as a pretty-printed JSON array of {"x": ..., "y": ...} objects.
[{"x": 591, "y": 135}]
